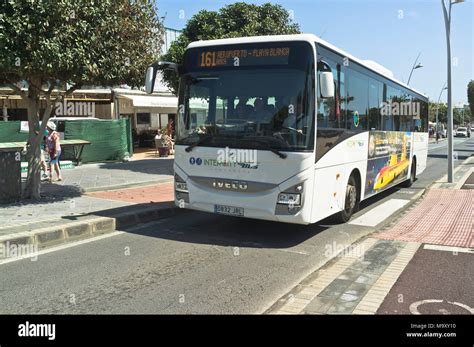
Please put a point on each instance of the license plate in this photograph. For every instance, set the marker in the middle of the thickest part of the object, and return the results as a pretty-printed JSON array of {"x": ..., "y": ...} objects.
[{"x": 229, "y": 210}]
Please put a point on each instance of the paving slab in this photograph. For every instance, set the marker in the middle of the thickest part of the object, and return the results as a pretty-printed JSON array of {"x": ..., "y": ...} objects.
[{"x": 444, "y": 217}]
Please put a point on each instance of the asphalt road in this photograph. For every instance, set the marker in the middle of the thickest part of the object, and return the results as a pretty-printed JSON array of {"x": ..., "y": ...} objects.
[
  {"x": 435, "y": 282},
  {"x": 192, "y": 263}
]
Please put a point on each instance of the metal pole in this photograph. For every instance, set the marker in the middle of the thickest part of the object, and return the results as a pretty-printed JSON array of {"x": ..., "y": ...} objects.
[
  {"x": 437, "y": 106},
  {"x": 413, "y": 68},
  {"x": 437, "y": 110},
  {"x": 447, "y": 23}
]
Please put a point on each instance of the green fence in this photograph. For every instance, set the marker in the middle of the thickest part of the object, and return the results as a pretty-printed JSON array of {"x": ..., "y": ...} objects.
[
  {"x": 10, "y": 132},
  {"x": 111, "y": 140}
]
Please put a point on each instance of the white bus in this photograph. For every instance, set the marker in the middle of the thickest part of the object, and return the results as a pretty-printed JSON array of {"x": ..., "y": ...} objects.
[{"x": 295, "y": 129}]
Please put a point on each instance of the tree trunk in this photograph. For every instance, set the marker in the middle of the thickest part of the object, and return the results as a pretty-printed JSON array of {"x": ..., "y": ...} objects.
[
  {"x": 33, "y": 155},
  {"x": 33, "y": 181}
]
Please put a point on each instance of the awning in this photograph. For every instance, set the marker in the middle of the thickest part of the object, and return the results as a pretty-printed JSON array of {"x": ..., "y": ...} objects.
[{"x": 163, "y": 104}]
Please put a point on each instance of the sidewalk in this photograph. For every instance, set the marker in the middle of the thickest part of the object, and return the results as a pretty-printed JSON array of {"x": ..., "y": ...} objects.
[
  {"x": 88, "y": 196},
  {"x": 423, "y": 264}
]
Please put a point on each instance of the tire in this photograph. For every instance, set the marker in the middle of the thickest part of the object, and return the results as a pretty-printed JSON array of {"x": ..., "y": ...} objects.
[
  {"x": 351, "y": 202},
  {"x": 409, "y": 182}
]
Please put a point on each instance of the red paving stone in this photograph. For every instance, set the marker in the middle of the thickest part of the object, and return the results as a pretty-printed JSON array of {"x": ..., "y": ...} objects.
[
  {"x": 162, "y": 192},
  {"x": 444, "y": 217}
]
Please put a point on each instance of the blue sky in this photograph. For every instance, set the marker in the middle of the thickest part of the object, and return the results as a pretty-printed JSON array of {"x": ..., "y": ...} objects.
[{"x": 391, "y": 32}]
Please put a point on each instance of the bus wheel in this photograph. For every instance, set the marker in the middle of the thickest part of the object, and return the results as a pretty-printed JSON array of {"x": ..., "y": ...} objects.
[
  {"x": 409, "y": 182},
  {"x": 351, "y": 203}
]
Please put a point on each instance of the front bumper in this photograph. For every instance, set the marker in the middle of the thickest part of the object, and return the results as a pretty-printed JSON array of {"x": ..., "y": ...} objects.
[{"x": 256, "y": 203}]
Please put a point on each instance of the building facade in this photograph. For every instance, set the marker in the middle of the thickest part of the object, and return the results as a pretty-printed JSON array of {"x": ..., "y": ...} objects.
[{"x": 148, "y": 113}]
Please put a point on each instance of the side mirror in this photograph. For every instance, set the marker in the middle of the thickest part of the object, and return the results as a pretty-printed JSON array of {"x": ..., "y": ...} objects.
[
  {"x": 150, "y": 79},
  {"x": 326, "y": 84},
  {"x": 152, "y": 70},
  {"x": 167, "y": 65}
]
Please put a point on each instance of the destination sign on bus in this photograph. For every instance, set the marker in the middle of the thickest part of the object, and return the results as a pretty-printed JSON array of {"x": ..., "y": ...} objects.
[{"x": 243, "y": 57}]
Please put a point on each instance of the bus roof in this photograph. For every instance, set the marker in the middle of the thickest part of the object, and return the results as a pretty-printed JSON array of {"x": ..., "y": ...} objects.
[{"x": 373, "y": 66}]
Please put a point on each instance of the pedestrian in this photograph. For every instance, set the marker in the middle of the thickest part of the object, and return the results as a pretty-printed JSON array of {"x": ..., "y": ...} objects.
[
  {"x": 437, "y": 136},
  {"x": 54, "y": 149},
  {"x": 43, "y": 165},
  {"x": 43, "y": 157},
  {"x": 170, "y": 128},
  {"x": 158, "y": 142}
]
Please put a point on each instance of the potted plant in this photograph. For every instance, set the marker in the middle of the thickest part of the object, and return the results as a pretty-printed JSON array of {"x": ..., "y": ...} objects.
[{"x": 164, "y": 142}]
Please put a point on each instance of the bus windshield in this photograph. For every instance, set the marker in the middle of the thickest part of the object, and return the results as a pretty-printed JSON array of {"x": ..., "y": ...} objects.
[{"x": 248, "y": 96}]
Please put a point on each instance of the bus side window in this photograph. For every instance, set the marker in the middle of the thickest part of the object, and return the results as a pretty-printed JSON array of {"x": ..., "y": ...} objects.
[
  {"x": 375, "y": 101},
  {"x": 387, "y": 117},
  {"x": 356, "y": 100}
]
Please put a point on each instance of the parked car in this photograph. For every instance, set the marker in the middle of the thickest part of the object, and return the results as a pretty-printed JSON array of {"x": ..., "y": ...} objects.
[{"x": 461, "y": 132}]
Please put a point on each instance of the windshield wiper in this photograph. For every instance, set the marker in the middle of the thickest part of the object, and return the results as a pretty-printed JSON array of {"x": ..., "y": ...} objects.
[
  {"x": 267, "y": 146},
  {"x": 197, "y": 143}
]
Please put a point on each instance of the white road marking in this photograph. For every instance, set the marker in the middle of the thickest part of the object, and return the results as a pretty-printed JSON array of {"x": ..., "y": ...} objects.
[
  {"x": 449, "y": 249},
  {"x": 292, "y": 251},
  {"x": 61, "y": 247},
  {"x": 414, "y": 306},
  {"x": 380, "y": 213}
]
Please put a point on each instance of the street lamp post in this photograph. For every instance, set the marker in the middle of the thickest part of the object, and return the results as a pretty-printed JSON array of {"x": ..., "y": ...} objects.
[
  {"x": 447, "y": 24},
  {"x": 437, "y": 105},
  {"x": 415, "y": 66}
]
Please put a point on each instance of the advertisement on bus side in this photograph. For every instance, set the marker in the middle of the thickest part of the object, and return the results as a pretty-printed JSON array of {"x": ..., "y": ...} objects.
[{"x": 388, "y": 159}]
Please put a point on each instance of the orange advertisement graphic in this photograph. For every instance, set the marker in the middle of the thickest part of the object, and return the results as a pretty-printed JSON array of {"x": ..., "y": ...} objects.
[{"x": 388, "y": 159}]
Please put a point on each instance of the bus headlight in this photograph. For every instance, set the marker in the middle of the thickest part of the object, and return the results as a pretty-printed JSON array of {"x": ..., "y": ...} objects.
[
  {"x": 289, "y": 199},
  {"x": 181, "y": 187},
  {"x": 181, "y": 191},
  {"x": 179, "y": 184}
]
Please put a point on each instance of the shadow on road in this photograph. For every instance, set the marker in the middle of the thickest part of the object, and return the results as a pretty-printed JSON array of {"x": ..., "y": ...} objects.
[
  {"x": 211, "y": 229},
  {"x": 207, "y": 228},
  {"x": 162, "y": 166}
]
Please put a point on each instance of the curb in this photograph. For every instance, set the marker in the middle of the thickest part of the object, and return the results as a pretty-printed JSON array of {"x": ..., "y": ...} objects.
[
  {"x": 127, "y": 185},
  {"x": 128, "y": 219},
  {"x": 80, "y": 230}
]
